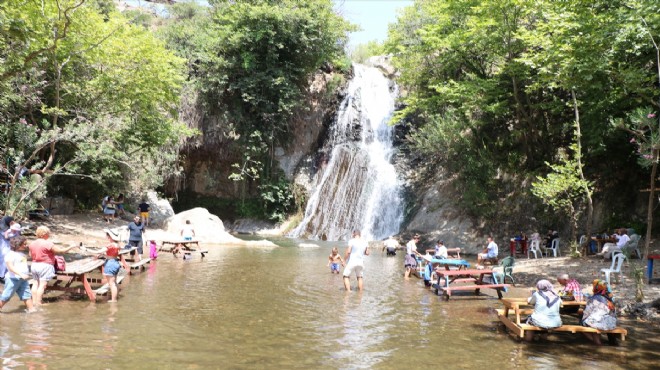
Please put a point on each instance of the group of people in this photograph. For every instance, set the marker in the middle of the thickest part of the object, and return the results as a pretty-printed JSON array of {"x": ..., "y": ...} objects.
[
  {"x": 113, "y": 207},
  {"x": 599, "y": 312},
  {"x": 14, "y": 269}
]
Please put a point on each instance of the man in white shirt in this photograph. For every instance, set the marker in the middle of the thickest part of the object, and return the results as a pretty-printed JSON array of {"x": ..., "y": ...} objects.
[
  {"x": 391, "y": 245},
  {"x": 490, "y": 252},
  {"x": 622, "y": 239},
  {"x": 357, "y": 249}
]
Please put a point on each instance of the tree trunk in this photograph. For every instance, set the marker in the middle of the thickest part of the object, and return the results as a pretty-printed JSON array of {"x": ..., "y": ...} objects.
[
  {"x": 649, "y": 211},
  {"x": 587, "y": 191}
]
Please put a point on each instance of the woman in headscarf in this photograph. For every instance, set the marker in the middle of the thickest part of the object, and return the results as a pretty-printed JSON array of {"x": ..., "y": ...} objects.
[
  {"x": 599, "y": 312},
  {"x": 5, "y": 224},
  {"x": 546, "y": 308}
]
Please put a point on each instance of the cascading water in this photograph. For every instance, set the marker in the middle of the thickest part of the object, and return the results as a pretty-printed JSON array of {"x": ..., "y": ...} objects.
[{"x": 358, "y": 187}]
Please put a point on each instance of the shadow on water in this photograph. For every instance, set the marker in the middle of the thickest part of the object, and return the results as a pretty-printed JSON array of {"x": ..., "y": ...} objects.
[{"x": 282, "y": 308}]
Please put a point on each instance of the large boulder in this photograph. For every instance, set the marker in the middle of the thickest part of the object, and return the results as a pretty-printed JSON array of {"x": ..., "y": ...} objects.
[
  {"x": 208, "y": 228},
  {"x": 161, "y": 209}
]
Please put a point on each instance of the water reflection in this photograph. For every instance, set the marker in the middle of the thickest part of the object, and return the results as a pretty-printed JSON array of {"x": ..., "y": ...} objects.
[{"x": 282, "y": 308}]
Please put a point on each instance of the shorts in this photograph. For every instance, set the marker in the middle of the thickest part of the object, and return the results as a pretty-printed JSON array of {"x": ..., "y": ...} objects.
[
  {"x": 353, "y": 268},
  {"x": 136, "y": 243},
  {"x": 144, "y": 215},
  {"x": 42, "y": 271},
  {"x": 108, "y": 211},
  {"x": 18, "y": 286},
  {"x": 486, "y": 256},
  {"x": 334, "y": 267},
  {"x": 119, "y": 206},
  {"x": 111, "y": 267},
  {"x": 391, "y": 252},
  {"x": 410, "y": 261}
]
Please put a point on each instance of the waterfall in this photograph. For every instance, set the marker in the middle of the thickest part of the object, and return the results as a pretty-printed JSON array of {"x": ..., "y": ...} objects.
[{"x": 357, "y": 187}]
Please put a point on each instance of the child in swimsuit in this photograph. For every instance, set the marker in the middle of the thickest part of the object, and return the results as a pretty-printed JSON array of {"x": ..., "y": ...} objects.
[{"x": 334, "y": 260}]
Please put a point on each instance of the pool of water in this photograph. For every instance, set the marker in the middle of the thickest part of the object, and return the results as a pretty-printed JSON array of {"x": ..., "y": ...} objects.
[{"x": 244, "y": 307}]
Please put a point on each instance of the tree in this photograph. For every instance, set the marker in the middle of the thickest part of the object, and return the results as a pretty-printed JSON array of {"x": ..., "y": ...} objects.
[{"x": 90, "y": 91}]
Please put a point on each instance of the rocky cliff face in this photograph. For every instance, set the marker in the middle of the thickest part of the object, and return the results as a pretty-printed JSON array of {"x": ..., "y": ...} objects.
[{"x": 209, "y": 156}]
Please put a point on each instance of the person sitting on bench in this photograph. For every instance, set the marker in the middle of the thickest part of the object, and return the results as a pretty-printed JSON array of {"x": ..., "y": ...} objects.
[
  {"x": 489, "y": 253},
  {"x": 599, "y": 312},
  {"x": 546, "y": 308}
]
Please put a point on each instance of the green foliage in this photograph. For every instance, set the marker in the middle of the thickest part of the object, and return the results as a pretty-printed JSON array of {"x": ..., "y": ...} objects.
[
  {"x": 278, "y": 199},
  {"x": 563, "y": 188},
  {"x": 256, "y": 64},
  {"x": 489, "y": 84},
  {"x": 360, "y": 53},
  {"x": 644, "y": 128},
  {"x": 98, "y": 94}
]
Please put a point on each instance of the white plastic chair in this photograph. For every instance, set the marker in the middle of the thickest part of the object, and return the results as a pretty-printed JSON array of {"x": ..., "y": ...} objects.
[
  {"x": 534, "y": 247},
  {"x": 617, "y": 262},
  {"x": 554, "y": 247},
  {"x": 583, "y": 239}
]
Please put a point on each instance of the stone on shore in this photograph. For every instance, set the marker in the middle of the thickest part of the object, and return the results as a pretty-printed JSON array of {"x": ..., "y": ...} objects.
[{"x": 208, "y": 228}]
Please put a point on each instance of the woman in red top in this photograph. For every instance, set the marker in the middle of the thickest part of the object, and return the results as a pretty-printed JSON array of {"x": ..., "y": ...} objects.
[{"x": 43, "y": 262}]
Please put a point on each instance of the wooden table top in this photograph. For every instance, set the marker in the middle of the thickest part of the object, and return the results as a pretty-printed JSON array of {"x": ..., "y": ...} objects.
[
  {"x": 464, "y": 272},
  {"x": 82, "y": 266},
  {"x": 180, "y": 241},
  {"x": 517, "y": 302}
]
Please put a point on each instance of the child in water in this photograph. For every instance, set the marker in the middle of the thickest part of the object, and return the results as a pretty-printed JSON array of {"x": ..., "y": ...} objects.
[
  {"x": 18, "y": 274},
  {"x": 153, "y": 251},
  {"x": 333, "y": 261},
  {"x": 112, "y": 266}
]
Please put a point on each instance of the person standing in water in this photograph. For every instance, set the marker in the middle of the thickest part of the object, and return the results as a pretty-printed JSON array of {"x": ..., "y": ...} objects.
[
  {"x": 391, "y": 245},
  {"x": 410, "y": 262},
  {"x": 357, "y": 249},
  {"x": 334, "y": 260}
]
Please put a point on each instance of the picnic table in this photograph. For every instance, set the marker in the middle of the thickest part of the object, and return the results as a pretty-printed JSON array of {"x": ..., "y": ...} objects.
[
  {"x": 513, "y": 246},
  {"x": 187, "y": 247},
  {"x": 472, "y": 277},
  {"x": 520, "y": 306},
  {"x": 79, "y": 271},
  {"x": 99, "y": 251},
  {"x": 449, "y": 262}
]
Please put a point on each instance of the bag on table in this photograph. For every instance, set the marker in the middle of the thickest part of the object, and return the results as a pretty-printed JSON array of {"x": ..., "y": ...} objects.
[{"x": 60, "y": 263}]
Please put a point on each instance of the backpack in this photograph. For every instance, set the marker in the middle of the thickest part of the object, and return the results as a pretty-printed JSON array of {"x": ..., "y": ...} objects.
[{"x": 60, "y": 263}]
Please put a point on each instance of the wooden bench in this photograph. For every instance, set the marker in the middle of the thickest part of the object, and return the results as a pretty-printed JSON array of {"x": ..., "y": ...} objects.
[
  {"x": 105, "y": 288},
  {"x": 519, "y": 330},
  {"x": 139, "y": 265},
  {"x": 476, "y": 288}
]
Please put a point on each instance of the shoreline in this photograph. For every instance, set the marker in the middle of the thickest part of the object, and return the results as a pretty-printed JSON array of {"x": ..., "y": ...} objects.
[{"x": 88, "y": 228}]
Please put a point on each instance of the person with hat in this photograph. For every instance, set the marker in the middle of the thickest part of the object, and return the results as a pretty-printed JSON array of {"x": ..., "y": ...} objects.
[{"x": 111, "y": 266}]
